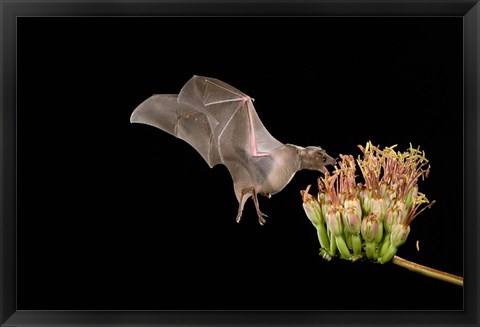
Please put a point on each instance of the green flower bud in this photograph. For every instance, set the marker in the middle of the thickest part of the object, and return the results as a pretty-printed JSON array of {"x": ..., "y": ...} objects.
[
  {"x": 366, "y": 200},
  {"x": 351, "y": 221},
  {"x": 325, "y": 207},
  {"x": 334, "y": 222},
  {"x": 379, "y": 237},
  {"x": 411, "y": 196},
  {"x": 369, "y": 228},
  {"x": 378, "y": 209},
  {"x": 389, "y": 220},
  {"x": 397, "y": 217},
  {"x": 321, "y": 197},
  {"x": 354, "y": 203},
  {"x": 389, "y": 198},
  {"x": 313, "y": 212},
  {"x": 402, "y": 211},
  {"x": 399, "y": 234}
]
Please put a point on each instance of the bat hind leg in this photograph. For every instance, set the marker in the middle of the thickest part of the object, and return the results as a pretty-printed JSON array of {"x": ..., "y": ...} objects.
[
  {"x": 244, "y": 195},
  {"x": 260, "y": 214}
]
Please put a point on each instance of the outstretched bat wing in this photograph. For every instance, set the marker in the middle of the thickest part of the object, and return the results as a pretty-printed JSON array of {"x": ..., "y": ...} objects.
[
  {"x": 215, "y": 118},
  {"x": 236, "y": 129},
  {"x": 163, "y": 111}
]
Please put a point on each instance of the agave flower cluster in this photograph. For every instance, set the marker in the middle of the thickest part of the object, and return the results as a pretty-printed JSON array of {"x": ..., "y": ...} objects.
[{"x": 370, "y": 219}]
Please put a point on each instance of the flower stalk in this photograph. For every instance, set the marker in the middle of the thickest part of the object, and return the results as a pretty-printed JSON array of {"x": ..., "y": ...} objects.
[{"x": 427, "y": 271}]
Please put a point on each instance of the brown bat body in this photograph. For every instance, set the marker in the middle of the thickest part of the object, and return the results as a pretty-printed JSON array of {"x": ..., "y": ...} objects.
[{"x": 221, "y": 123}]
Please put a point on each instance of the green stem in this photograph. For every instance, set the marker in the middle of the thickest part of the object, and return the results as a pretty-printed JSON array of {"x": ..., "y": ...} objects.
[
  {"x": 333, "y": 245},
  {"x": 342, "y": 247},
  {"x": 427, "y": 271},
  {"x": 370, "y": 250},
  {"x": 357, "y": 244},
  {"x": 391, "y": 251},
  {"x": 348, "y": 238},
  {"x": 385, "y": 245},
  {"x": 322, "y": 236}
]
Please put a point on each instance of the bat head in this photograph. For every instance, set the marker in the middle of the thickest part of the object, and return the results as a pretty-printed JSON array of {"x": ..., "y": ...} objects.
[{"x": 315, "y": 158}]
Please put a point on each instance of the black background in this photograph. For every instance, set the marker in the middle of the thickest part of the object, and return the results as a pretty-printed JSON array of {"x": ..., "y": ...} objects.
[{"x": 113, "y": 215}]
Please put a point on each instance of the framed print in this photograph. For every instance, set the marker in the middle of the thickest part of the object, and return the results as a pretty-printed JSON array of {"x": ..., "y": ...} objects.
[{"x": 109, "y": 222}]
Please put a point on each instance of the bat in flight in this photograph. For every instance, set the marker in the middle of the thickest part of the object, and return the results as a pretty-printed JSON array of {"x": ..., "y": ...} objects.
[{"x": 221, "y": 123}]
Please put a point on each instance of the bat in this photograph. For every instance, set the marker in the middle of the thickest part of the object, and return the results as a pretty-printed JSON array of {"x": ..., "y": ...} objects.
[{"x": 221, "y": 123}]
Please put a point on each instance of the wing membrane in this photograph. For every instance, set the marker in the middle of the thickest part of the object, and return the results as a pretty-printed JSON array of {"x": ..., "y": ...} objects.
[
  {"x": 187, "y": 123},
  {"x": 237, "y": 129},
  {"x": 218, "y": 120}
]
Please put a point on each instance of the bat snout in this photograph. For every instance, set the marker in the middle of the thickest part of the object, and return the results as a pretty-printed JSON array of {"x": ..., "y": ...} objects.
[
  {"x": 330, "y": 160},
  {"x": 327, "y": 161}
]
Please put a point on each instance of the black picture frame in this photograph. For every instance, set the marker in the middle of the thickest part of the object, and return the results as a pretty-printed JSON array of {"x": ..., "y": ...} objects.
[{"x": 10, "y": 316}]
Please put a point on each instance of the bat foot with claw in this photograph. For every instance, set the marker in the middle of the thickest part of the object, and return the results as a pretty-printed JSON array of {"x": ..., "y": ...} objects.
[
  {"x": 239, "y": 217},
  {"x": 260, "y": 214},
  {"x": 261, "y": 220}
]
